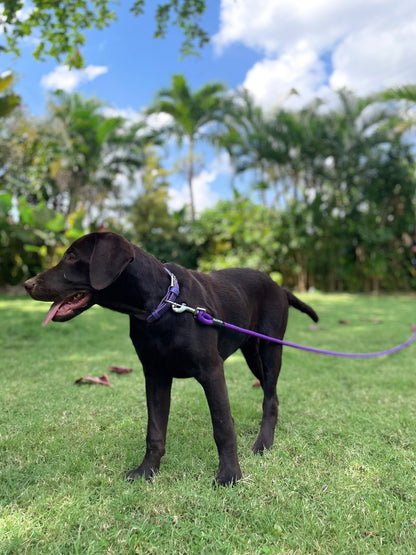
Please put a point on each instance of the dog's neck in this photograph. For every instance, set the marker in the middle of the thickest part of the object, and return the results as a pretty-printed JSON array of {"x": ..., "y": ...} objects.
[{"x": 143, "y": 284}]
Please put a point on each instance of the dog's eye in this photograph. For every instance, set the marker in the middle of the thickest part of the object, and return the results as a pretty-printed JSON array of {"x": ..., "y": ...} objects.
[{"x": 69, "y": 255}]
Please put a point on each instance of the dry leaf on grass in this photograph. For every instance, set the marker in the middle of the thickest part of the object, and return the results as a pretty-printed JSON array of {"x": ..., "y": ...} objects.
[
  {"x": 120, "y": 369},
  {"x": 102, "y": 380}
]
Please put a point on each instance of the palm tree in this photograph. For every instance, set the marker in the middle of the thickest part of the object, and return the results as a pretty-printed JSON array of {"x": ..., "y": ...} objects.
[
  {"x": 406, "y": 92},
  {"x": 345, "y": 155},
  {"x": 88, "y": 150},
  {"x": 405, "y": 95},
  {"x": 266, "y": 143},
  {"x": 192, "y": 113},
  {"x": 78, "y": 133}
]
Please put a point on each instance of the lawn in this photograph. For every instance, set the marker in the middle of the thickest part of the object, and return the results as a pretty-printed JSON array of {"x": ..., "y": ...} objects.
[{"x": 341, "y": 477}]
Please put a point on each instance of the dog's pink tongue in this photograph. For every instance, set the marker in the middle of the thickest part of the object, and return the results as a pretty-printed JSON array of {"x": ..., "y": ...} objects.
[{"x": 52, "y": 311}]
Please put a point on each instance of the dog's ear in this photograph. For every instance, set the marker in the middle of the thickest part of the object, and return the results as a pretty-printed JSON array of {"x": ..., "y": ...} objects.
[{"x": 110, "y": 256}]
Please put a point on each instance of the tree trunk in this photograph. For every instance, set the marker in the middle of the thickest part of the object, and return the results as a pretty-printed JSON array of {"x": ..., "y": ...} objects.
[
  {"x": 191, "y": 177},
  {"x": 302, "y": 276}
]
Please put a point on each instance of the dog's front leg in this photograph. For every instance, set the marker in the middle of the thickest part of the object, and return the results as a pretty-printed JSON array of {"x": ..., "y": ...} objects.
[
  {"x": 158, "y": 391},
  {"x": 223, "y": 426}
]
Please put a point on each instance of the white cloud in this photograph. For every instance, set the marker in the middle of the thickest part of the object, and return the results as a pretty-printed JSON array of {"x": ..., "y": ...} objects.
[
  {"x": 158, "y": 120},
  {"x": 376, "y": 57},
  {"x": 204, "y": 195},
  {"x": 272, "y": 80},
  {"x": 276, "y": 25},
  {"x": 129, "y": 113},
  {"x": 153, "y": 122},
  {"x": 321, "y": 44},
  {"x": 89, "y": 73},
  {"x": 221, "y": 164},
  {"x": 69, "y": 79}
]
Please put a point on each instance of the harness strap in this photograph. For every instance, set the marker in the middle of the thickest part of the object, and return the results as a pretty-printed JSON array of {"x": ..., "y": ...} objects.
[{"x": 170, "y": 297}]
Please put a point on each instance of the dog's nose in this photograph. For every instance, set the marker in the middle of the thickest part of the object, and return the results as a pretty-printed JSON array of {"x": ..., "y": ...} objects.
[{"x": 30, "y": 284}]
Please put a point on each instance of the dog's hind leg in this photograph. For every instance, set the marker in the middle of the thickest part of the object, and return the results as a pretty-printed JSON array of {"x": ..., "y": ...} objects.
[
  {"x": 271, "y": 358},
  {"x": 251, "y": 353}
]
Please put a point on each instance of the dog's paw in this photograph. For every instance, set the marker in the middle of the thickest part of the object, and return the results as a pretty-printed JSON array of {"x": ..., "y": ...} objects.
[
  {"x": 258, "y": 448},
  {"x": 140, "y": 472},
  {"x": 262, "y": 443},
  {"x": 227, "y": 478}
]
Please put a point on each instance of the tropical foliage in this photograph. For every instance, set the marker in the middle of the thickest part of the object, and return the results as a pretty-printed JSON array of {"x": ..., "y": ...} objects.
[
  {"x": 330, "y": 205},
  {"x": 60, "y": 26},
  {"x": 9, "y": 100}
]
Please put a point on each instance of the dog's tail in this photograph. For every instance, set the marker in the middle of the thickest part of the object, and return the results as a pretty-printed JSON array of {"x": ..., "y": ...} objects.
[{"x": 303, "y": 307}]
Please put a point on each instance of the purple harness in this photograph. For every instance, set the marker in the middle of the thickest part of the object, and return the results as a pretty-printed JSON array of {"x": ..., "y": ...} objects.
[
  {"x": 203, "y": 317},
  {"x": 170, "y": 297}
]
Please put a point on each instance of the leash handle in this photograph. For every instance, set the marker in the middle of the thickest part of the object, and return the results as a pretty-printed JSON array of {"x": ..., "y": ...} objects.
[{"x": 204, "y": 318}]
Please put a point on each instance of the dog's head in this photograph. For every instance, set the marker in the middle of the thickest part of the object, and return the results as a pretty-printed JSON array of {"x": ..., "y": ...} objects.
[{"x": 90, "y": 264}]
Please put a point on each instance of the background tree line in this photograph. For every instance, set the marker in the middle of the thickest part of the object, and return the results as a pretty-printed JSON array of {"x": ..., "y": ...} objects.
[{"x": 331, "y": 202}]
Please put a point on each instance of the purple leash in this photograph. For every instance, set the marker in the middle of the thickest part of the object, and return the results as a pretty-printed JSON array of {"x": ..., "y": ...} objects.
[{"x": 204, "y": 318}]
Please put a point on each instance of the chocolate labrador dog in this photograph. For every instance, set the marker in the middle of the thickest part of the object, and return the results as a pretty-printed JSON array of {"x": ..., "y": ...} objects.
[{"x": 106, "y": 269}]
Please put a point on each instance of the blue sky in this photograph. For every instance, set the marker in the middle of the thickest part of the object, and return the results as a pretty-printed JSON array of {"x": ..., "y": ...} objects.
[
  {"x": 136, "y": 64},
  {"x": 268, "y": 46}
]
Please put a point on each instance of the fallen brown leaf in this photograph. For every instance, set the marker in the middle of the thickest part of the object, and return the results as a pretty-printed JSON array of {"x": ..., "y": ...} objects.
[
  {"x": 102, "y": 380},
  {"x": 120, "y": 369}
]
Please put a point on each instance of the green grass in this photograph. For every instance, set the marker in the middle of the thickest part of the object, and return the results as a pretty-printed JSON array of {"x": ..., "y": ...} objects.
[{"x": 341, "y": 477}]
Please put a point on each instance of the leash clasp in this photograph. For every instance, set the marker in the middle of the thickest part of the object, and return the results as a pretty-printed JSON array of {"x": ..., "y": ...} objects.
[{"x": 179, "y": 308}]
